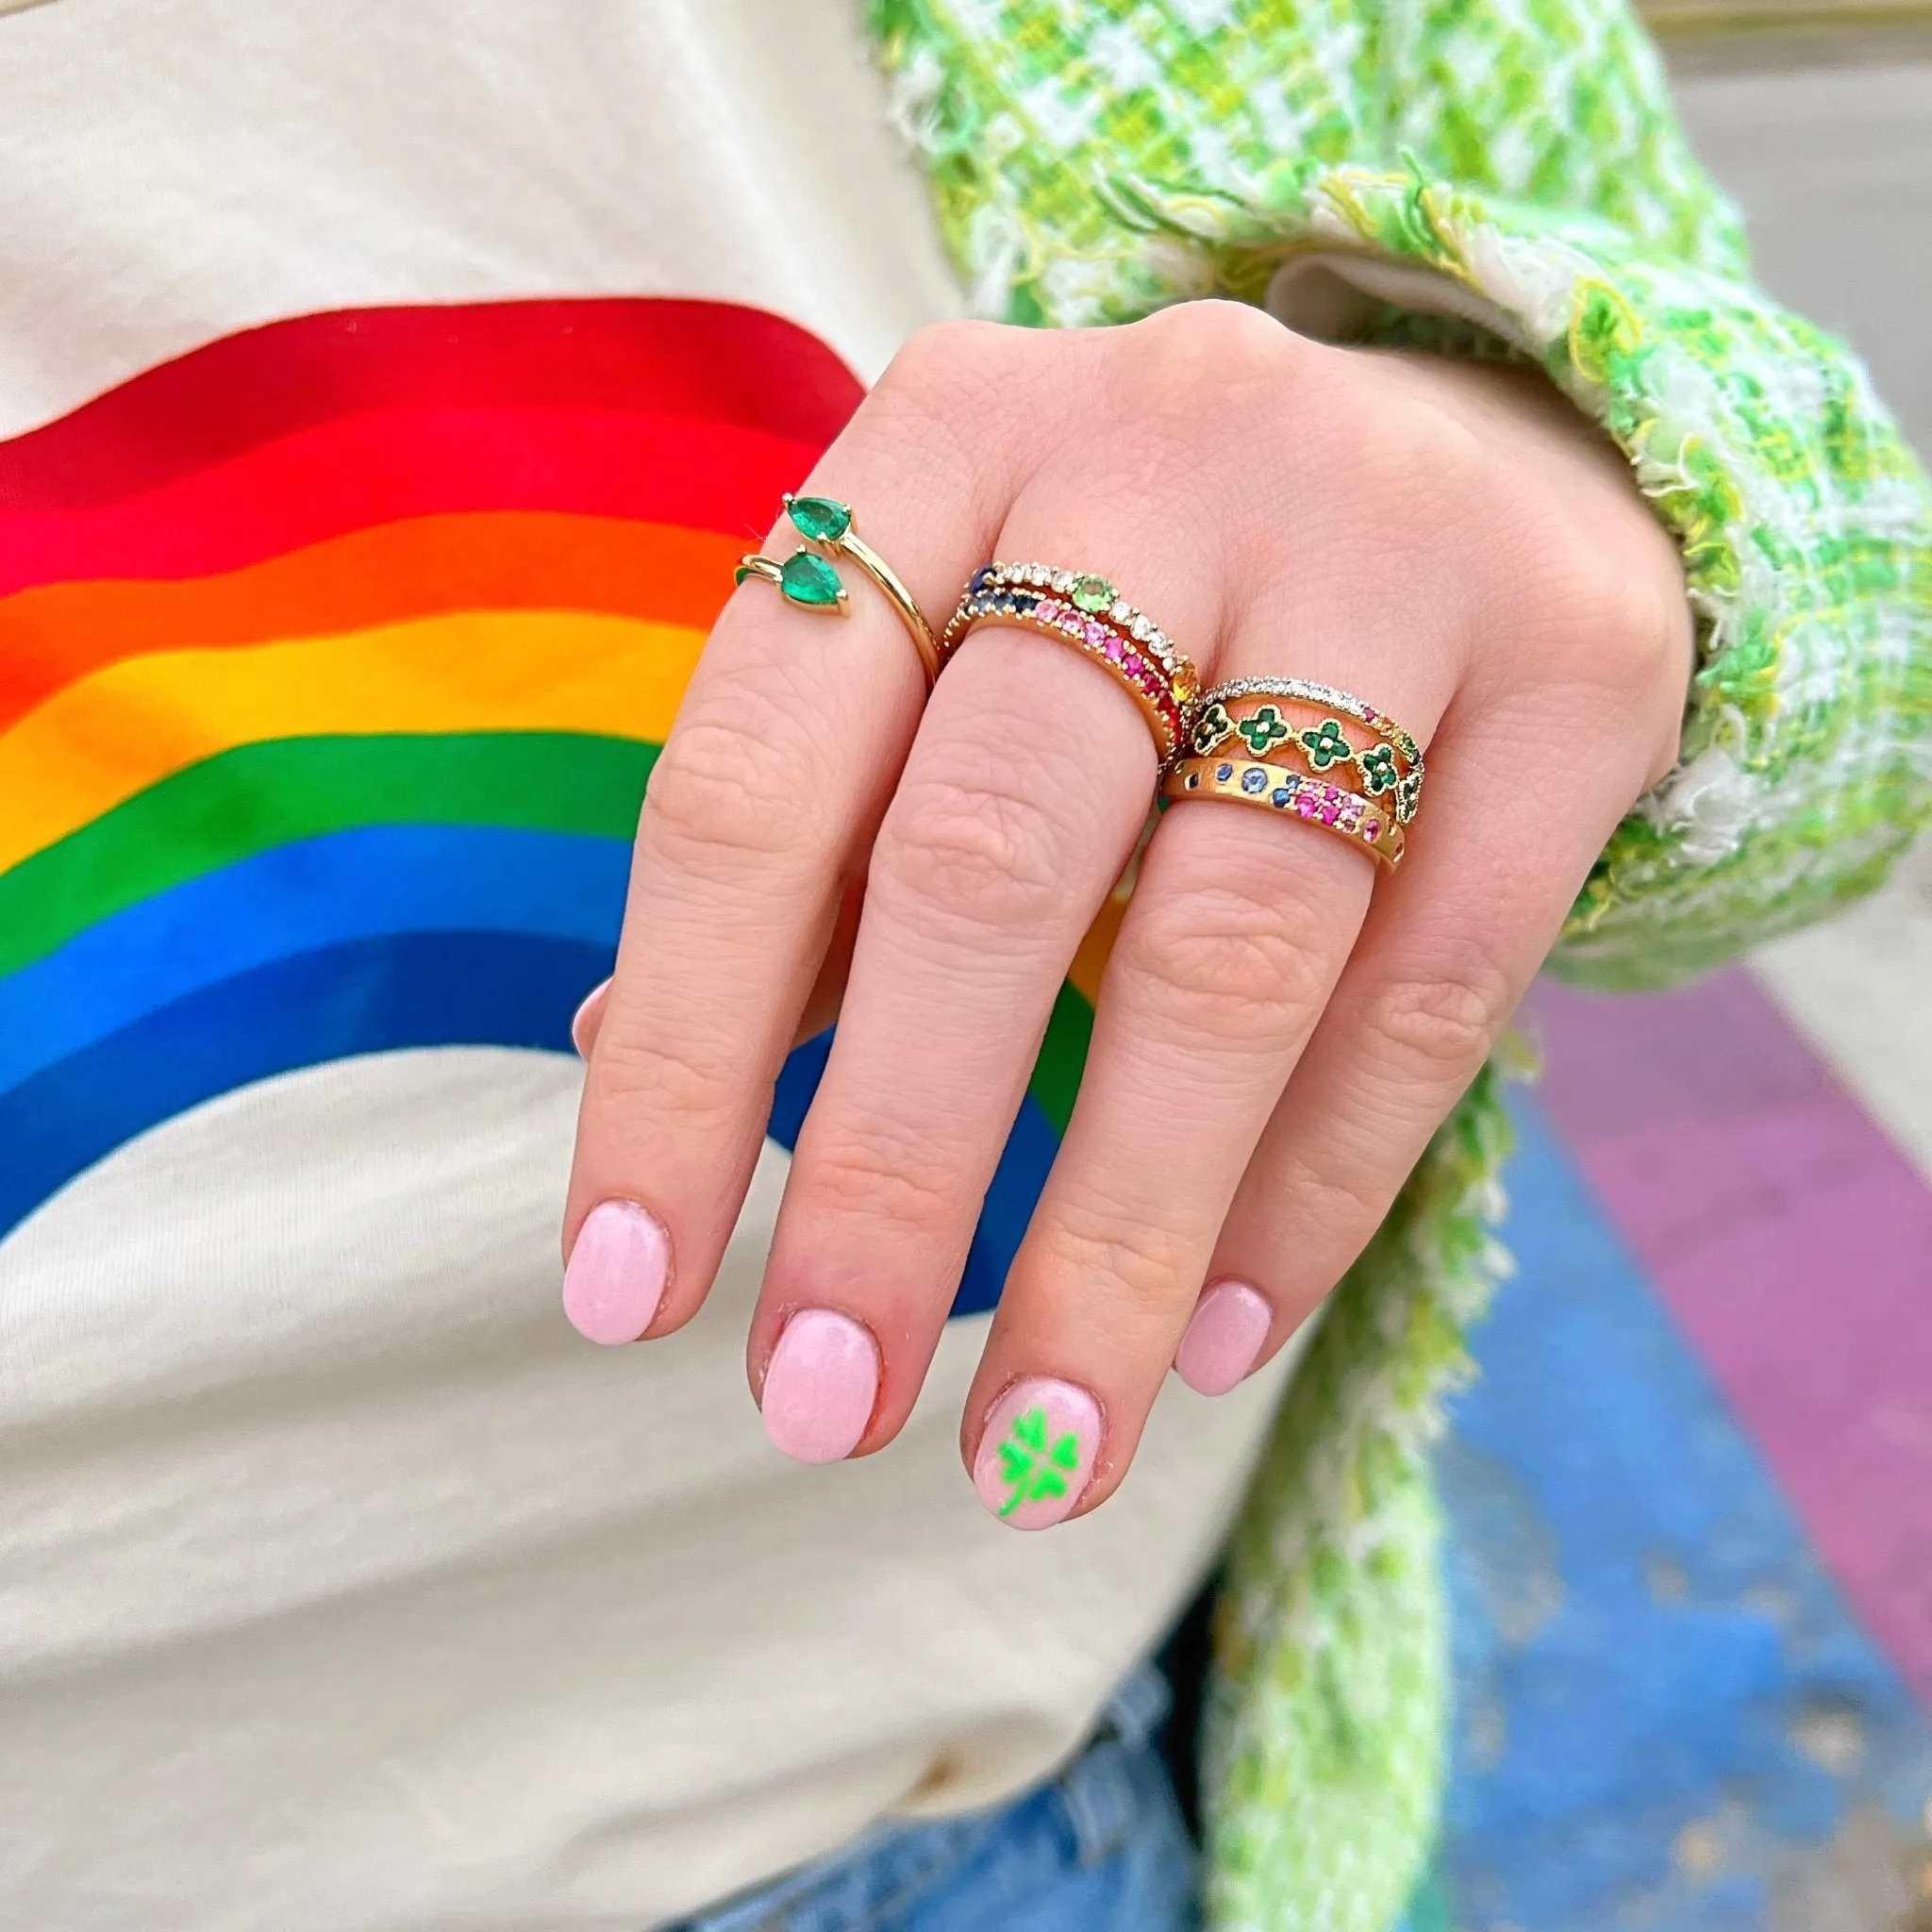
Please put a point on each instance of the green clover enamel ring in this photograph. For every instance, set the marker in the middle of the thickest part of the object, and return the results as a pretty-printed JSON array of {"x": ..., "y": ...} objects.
[
  {"x": 1233, "y": 735},
  {"x": 812, "y": 582}
]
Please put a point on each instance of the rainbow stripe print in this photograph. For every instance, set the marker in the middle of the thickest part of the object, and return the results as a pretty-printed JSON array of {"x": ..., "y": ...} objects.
[{"x": 334, "y": 657}]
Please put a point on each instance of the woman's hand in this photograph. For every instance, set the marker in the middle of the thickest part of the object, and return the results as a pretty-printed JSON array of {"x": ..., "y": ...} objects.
[{"x": 1276, "y": 1038}]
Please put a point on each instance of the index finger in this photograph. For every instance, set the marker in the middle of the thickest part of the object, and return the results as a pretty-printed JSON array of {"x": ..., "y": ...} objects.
[{"x": 762, "y": 802}]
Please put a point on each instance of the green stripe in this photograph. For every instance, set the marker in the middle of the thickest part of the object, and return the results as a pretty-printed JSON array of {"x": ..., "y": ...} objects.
[
  {"x": 244, "y": 801},
  {"x": 1062, "y": 1055}
]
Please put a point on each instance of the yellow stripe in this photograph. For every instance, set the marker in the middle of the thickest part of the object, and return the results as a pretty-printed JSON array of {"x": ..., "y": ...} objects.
[{"x": 113, "y": 734}]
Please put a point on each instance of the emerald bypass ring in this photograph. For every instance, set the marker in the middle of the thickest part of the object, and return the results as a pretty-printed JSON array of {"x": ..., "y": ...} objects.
[{"x": 812, "y": 582}]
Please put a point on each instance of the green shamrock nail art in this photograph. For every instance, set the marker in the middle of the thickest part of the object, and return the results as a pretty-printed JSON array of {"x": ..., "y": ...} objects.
[
  {"x": 1263, "y": 731},
  {"x": 1029, "y": 1467},
  {"x": 1325, "y": 745}
]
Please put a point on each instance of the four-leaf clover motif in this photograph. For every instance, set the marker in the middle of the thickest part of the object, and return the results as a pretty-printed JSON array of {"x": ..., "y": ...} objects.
[
  {"x": 1263, "y": 731},
  {"x": 1031, "y": 1468},
  {"x": 1378, "y": 767},
  {"x": 1325, "y": 745},
  {"x": 1212, "y": 728}
]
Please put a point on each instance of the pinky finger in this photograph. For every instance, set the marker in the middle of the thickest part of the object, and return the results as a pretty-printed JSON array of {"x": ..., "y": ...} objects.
[{"x": 1449, "y": 946}]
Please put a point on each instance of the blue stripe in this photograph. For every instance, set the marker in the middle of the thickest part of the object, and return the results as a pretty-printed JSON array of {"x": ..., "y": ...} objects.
[
  {"x": 301, "y": 899},
  {"x": 1644, "y": 1637},
  {"x": 363, "y": 941}
]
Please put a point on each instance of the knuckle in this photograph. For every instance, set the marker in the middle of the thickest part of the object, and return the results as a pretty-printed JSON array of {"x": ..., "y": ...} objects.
[
  {"x": 1147, "y": 1261},
  {"x": 947, "y": 359},
  {"x": 1218, "y": 341},
  {"x": 881, "y": 1177},
  {"x": 977, "y": 854},
  {"x": 1447, "y": 1019},
  {"x": 721, "y": 789},
  {"x": 1341, "y": 1203},
  {"x": 690, "y": 1080},
  {"x": 1199, "y": 374},
  {"x": 1224, "y": 961}
]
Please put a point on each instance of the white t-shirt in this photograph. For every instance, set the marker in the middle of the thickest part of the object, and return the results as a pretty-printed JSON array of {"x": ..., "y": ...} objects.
[{"x": 343, "y": 1587}]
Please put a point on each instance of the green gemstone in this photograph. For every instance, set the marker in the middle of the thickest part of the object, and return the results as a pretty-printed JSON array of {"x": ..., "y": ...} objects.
[
  {"x": 810, "y": 580},
  {"x": 821, "y": 518},
  {"x": 1092, "y": 595}
]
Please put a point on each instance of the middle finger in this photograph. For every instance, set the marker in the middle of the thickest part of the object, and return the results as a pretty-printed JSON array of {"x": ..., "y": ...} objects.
[{"x": 1026, "y": 786}]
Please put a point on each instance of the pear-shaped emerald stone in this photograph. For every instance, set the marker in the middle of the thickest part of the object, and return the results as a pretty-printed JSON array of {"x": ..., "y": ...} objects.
[
  {"x": 821, "y": 518},
  {"x": 810, "y": 580}
]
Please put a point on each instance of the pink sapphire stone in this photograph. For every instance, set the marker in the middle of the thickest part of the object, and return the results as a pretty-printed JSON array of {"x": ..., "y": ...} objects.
[
  {"x": 1372, "y": 831},
  {"x": 1113, "y": 649}
]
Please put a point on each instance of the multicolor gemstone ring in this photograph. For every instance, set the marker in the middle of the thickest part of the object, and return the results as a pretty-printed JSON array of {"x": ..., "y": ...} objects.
[
  {"x": 812, "y": 582},
  {"x": 1261, "y": 717},
  {"x": 1079, "y": 608},
  {"x": 1367, "y": 825}
]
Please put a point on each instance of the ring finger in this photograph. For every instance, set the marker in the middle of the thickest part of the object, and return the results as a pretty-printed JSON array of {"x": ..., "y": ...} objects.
[{"x": 1240, "y": 924}]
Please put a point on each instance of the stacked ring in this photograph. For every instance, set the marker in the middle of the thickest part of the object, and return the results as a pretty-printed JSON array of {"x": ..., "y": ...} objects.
[
  {"x": 1085, "y": 610},
  {"x": 1239, "y": 730},
  {"x": 809, "y": 581},
  {"x": 1275, "y": 787},
  {"x": 1392, "y": 768}
]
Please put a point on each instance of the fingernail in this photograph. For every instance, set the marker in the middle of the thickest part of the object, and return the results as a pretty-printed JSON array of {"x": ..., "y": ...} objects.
[
  {"x": 821, "y": 1387},
  {"x": 1224, "y": 1340},
  {"x": 617, "y": 1272},
  {"x": 1036, "y": 1455},
  {"x": 582, "y": 1023}
]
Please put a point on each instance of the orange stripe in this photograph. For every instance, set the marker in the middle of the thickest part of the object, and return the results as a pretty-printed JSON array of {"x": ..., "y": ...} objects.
[
  {"x": 500, "y": 559},
  {"x": 130, "y": 725}
]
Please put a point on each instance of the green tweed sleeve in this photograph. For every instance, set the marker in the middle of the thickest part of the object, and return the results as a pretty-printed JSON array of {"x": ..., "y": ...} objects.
[{"x": 1470, "y": 174}]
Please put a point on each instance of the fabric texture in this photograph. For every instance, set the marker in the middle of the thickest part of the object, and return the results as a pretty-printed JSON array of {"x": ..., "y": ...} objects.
[
  {"x": 1503, "y": 176},
  {"x": 1101, "y": 1848}
]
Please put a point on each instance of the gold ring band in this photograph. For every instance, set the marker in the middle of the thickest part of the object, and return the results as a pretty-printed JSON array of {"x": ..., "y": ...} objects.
[
  {"x": 809, "y": 581},
  {"x": 1368, "y": 827},
  {"x": 1227, "y": 720},
  {"x": 1084, "y": 611}
]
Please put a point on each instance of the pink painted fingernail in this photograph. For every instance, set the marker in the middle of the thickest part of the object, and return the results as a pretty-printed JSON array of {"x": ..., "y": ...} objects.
[
  {"x": 1035, "y": 1456},
  {"x": 617, "y": 1272},
  {"x": 822, "y": 1385},
  {"x": 583, "y": 1020},
  {"x": 1225, "y": 1338}
]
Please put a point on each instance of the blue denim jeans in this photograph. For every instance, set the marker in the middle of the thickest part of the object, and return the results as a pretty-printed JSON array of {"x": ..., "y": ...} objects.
[{"x": 1101, "y": 1849}]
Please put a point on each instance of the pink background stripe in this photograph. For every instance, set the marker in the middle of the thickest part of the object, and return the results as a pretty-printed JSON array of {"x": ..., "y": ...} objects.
[{"x": 1792, "y": 1241}]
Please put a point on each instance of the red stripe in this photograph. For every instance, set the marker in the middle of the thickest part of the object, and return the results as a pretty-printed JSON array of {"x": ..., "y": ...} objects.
[
  {"x": 341, "y": 477},
  {"x": 710, "y": 359}
]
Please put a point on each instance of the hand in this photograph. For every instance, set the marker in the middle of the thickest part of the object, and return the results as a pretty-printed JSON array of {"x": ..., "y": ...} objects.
[{"x": 1277, "y": 1035}]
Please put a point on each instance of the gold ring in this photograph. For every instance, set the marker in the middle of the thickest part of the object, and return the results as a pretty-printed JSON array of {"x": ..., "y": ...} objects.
[
  {"x": 1368, "y": 827},
  {"x": 1079, "y": 608},
  {"x": 809, "y": 581},
  {"x": 1228, "y": 721}
]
